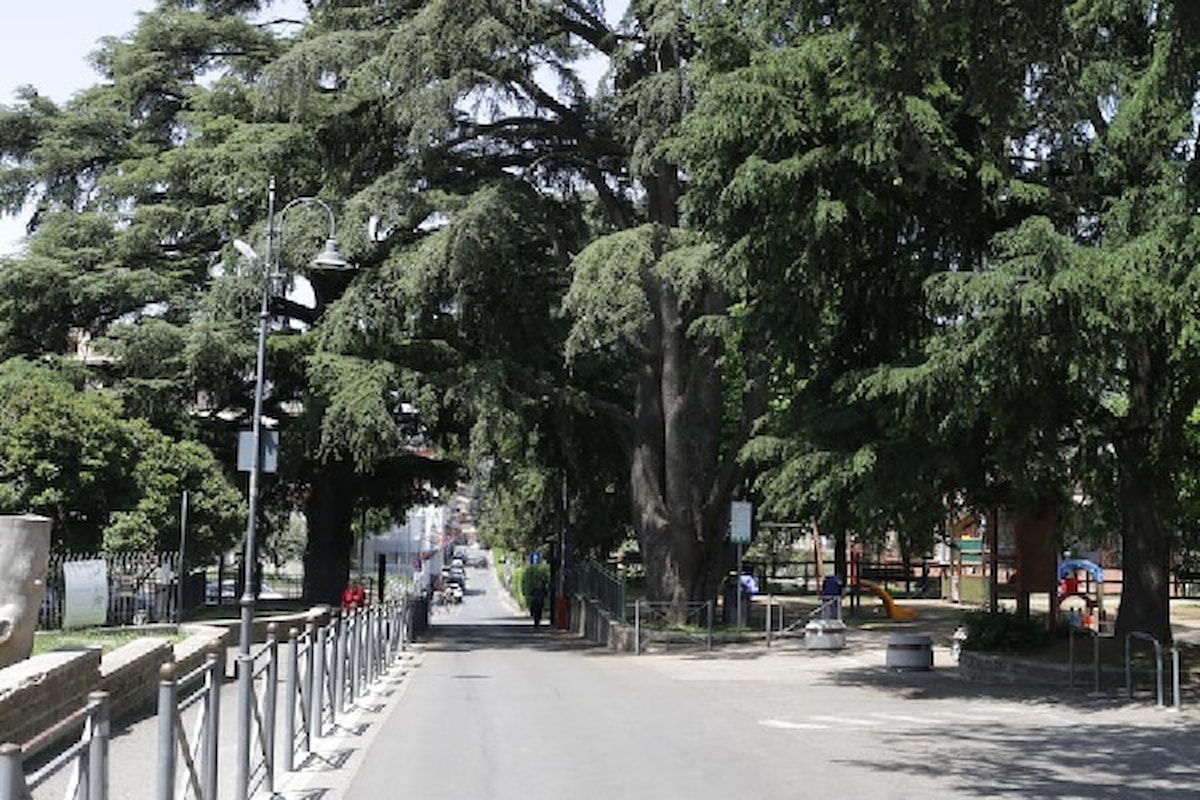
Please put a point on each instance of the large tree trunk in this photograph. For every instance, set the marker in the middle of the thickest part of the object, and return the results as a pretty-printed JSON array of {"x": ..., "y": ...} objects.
[
  {"x": 681, "y": 487},
  {"x": 1145, "y": 546},
  {"x": 330, "y": 511},
  {"x": 1144, "y": 493}
]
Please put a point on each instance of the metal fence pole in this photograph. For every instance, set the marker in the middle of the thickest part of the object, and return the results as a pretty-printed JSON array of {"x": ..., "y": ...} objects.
[
  {"x": 212, "y": 719},
  {"x": 770, "y": 605},
  {"x": 245, "y": 680},
  {"x": 12, "y": 772},
  {"x": 99, "y": 723},
  {"x": 339, "y": 662},
  {"x": 318, "y": 684},
  {"x": 637, "y": 627},
  {"x": 369, "y": 646},
  {"x": 270, "y": 700},
  {"x": 1177, "y": 703},
  {"x": 290, "y": 689},
  {"x": 307, "y": 686},
  {"x": 355, "y": 623},
  {"x": 168, "y": 718}
]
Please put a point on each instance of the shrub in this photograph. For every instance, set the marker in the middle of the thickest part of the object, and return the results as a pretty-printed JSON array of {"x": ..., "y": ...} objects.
[{"x": 1004, "y": 632}]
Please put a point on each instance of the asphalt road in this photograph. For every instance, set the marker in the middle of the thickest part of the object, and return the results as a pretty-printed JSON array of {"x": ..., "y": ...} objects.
[{"x": 494, "y": 710}]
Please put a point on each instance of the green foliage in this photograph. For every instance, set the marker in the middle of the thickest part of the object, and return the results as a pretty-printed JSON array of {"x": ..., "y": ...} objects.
[
  {"x": 106, "y": 481},
  {"x": 531, "y": 575},
  {"x": 1004, "y": 632}
]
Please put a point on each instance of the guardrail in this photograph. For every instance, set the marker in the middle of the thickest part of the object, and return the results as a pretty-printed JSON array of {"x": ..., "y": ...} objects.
[
  {"x": 606, "y": 587},
  {"x": 325, "y": 671},
  {"x": 645, "y": 611},
  {"x": 89, "y": 755},
  {"x": 1146, "y": 637},
  {"x": 328, "y": 667}
]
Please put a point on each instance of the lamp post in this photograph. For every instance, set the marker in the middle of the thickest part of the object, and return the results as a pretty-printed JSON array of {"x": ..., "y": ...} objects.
[{"x": 329, "y": 259}]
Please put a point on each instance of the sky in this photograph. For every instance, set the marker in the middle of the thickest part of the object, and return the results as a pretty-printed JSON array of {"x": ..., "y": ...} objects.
[{"x": 45, "y": 44}]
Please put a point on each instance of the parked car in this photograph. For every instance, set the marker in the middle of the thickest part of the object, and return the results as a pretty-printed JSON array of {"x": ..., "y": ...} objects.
[{"x": 231, "y": 592}]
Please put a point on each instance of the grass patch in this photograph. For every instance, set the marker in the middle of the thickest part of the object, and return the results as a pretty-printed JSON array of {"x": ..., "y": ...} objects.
[{"x": 107, "y": 639}]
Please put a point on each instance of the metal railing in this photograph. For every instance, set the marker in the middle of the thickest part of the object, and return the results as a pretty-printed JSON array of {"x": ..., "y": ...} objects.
[
  {"x": 325, "y": 670},
  {"x": 201, "y": 687},
  {"x": 1146, "y": 637},
  {"x": 606, "y": 587},
  {"x": 89, "y": 756},
  {"x": 776, "y": 626},
  {"x": 653, "y": 620}
]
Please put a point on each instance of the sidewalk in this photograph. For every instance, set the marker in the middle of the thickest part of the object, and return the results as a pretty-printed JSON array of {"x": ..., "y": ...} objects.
[{"x": 328, "y": 769}]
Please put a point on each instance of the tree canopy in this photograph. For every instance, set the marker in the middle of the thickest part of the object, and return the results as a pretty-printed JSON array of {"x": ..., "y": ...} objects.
[{"x": 869, "y": 263}]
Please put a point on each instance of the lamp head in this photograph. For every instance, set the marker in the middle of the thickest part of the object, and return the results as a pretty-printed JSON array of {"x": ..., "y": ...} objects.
[
  {"x": 245, "y": 250},
  {"x": 331, "y": 257}
]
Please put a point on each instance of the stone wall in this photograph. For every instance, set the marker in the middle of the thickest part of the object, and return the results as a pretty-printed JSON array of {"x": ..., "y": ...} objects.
[
  {"x": 39, "y": 691},
  {"x": 130, "y": 676},
  {"x": 594, "y": 623}
]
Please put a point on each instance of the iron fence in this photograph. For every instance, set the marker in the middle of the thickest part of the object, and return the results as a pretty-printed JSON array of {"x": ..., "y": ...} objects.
[
  {"x": 142, "y": 588},
  {"x": 661, "y": 623},
  {"x": 88, "y": 756},
  {"x": 326, "y": 670},
  {"x": 606, "y": 587}
]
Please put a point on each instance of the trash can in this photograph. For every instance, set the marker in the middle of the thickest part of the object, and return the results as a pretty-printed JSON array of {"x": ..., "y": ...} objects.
[
  {"x": 730, "y": 606},
  {"x": 831, "y": 591},
  {"x": 420, "y": 615}
]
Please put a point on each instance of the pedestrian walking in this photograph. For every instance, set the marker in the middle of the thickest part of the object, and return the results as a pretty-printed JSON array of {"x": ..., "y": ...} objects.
[{"x": 537, "y": 602}]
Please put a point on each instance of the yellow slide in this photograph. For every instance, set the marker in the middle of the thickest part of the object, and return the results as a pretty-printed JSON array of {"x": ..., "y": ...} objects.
[{"x": 889, "y": 603}]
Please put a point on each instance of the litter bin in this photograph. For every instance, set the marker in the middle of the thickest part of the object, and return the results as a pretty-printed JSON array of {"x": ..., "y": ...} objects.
[
  {"x": 420, "y": 615},
  {"x": 730, "y": 605},
  {"x": 831, "y": 591}
]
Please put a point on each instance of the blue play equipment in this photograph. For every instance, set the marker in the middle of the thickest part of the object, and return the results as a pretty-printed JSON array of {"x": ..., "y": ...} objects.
[
  {"x": 1069, "y": 586},
  {"x": 1073, "y": 565}
]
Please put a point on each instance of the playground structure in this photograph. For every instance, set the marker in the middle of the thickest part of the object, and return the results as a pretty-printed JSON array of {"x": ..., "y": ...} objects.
[
  {"x": 891, "y": 607},
  {"x": 894, "y": 610},
  {"x": 1090, "y": 590}
]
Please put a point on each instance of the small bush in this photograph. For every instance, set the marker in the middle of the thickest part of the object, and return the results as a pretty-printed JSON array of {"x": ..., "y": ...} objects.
[{"x": 1004, "y": 632}]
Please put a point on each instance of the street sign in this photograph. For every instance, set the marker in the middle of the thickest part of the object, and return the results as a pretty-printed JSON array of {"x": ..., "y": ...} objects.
[
  {"x": 268, "y": 455},
  {"x": 741, "y": 512}
]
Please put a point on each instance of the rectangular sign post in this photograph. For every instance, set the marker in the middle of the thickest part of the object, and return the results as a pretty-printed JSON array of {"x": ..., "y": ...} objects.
[
  {"x": 268, "y": 454},
  {"x": 741, "y": 515}
]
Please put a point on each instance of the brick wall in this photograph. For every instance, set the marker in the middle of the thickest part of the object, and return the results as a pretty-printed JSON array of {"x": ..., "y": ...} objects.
[
  {"x": 38, "y": 692},
  {"x": 130, "y": 675}
]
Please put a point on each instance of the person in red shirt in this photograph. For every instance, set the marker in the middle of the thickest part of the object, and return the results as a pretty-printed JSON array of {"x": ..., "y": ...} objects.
[{"x": 353, "y": 596}]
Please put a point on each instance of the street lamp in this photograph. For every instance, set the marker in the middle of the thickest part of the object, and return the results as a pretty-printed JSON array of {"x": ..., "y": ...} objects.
[{"x": 330, "y": 258}]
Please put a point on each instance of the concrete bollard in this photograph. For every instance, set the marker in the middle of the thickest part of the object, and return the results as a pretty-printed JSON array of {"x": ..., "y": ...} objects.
[{"x": 912, "y": 651}]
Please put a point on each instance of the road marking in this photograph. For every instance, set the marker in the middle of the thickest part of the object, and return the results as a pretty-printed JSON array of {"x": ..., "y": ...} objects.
[
  {"x": 866, "y": 723},
  {"x": 792, "y": 726},
  {"x": 957, "y": 716},
  {"x": 905, "y": 718}
]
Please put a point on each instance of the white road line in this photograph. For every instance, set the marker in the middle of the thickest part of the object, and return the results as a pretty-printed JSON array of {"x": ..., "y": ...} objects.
[
  {"x": 981, "y": 717},
  {"x": 905, "y": 718},
  {"x": 865, "y": 723},
  {"x": 794, "y": 726}
]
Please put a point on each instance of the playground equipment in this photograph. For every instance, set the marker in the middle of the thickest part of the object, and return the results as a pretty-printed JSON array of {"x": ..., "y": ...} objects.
[
  {"x": 894, "y": 610},
  {"x": 831, "y": 588},
  {"x": 1070, "y": 585}
]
